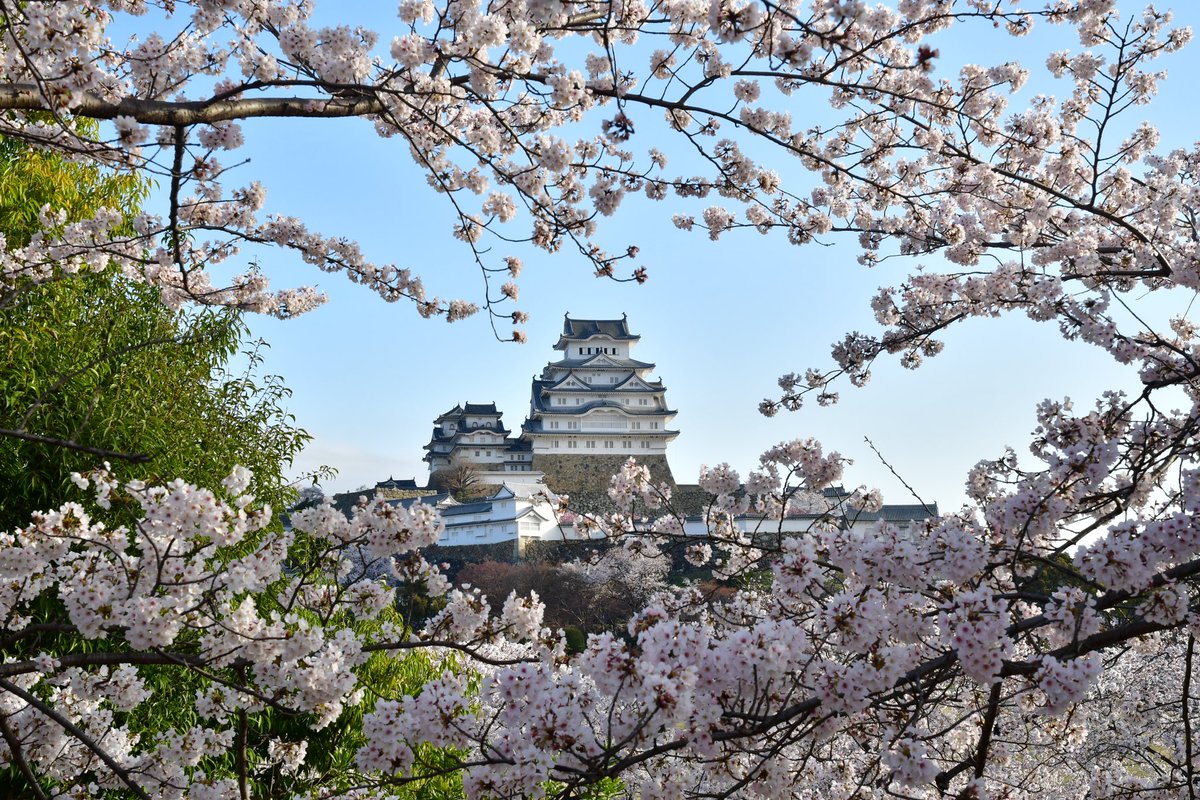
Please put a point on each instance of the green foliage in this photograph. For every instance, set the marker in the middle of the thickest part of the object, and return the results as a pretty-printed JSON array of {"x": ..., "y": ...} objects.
[
  {"x": 31, "y": 179},
  {"x": 576, "y": 639},
  {"x": 100, "y": 362},
  {"x": 96, "y": 360}
]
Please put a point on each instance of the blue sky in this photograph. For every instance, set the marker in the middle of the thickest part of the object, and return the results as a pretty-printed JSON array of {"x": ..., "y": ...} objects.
[{"x": 721, "y": 320}]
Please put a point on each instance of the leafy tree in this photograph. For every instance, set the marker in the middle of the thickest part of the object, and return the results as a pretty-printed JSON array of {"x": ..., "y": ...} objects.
[{"x": 96, "y": 367}]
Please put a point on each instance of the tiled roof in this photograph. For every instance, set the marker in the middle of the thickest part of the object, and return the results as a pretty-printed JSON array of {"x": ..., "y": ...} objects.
[
  {"x": 439, "y": 438},
  {"x": 655, "y": 385},
  {"x": 427, "y": 499},
  {"x": 536, "y": 426},
  {"x": 481, "y": 408},
  {"x": 617, "y": 363},
  {"x": 913, "y": 512},
  {"x": 456, "y": 415},
  {"x": 499, "y": 429},
  {"x": 539, "y": 405},
  {"x": 453, "y": 413},
  {"x": 458, "y": 412},
  {"x": 584, "y": 386},
  {"x": 392, "y": 483},
  {"x": 616, "y": 328},
  {"x": 467, "y": 508}
]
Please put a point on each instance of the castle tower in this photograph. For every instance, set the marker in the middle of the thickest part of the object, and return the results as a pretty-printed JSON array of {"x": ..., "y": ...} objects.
[
  {"x": 472, "y": 434},
  {"x": 595, "y": 407}
]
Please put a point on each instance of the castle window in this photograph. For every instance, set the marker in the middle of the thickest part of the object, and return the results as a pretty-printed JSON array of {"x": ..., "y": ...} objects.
[
  {"x": 572, "y": 444},
  {"x": 578, "y": 401},
  {"x": 645, "y": 444},
  {"x": 591, "y": 443},
  {"x": 554, "y": 443},
  {"x": 608, "y": 443},
  {"x": 627, "y": 444}
]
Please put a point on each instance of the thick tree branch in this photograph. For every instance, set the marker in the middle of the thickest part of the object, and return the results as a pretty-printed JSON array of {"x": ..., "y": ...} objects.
[{"x": 27, "y": 97}]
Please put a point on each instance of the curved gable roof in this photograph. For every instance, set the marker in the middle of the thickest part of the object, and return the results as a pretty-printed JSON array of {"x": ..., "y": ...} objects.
[
  {"x": 633, "y": 381},
  {"x": 576, "y": 329},
  {"x": 565, "y": 379},
  {"x": 481, "y": 408}
]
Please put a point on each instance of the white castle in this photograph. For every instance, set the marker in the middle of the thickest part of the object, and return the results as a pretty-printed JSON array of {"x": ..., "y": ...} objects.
[
  {"x": 589, "y": 411},
  {"x": 595, "y": 400}
]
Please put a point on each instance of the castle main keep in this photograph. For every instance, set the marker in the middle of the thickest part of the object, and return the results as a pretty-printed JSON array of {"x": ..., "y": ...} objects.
[{"x": 589, "y": 411}]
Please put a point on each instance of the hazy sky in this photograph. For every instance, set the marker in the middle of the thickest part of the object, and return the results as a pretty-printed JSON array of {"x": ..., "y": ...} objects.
[{"x": 721, "y": 320}]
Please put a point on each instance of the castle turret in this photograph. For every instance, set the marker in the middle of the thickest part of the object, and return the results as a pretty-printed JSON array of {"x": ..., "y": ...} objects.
[{"x": 472, "y": 434}]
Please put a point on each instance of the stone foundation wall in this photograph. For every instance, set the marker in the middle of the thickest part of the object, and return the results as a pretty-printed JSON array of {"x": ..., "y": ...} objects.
[
  {"x": 459, "y": 556},
  {"x": 573, "y": 474},
  {"x": 544, "y": 551},
  {"x": 690, "y": 500},
  {"x": 346, "y": 501},
  {"x": 404, "y": 494}
]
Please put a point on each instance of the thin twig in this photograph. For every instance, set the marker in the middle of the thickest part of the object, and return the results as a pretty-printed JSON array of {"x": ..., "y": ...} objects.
[{"x": 928, "y": 508}]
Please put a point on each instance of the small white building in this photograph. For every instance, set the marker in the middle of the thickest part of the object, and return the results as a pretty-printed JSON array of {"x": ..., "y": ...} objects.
[
  {"x": 902, "y": 517},
  {"x": 522, "y": 511},
  {"x": 519, "y": 510}
]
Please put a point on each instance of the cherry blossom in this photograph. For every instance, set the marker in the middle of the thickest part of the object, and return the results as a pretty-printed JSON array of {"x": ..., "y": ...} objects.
[{"x": 1038, "y": 641}]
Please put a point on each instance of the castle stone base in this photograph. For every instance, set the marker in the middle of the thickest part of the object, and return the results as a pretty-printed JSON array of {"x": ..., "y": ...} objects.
[{"x": 576, "y": 474}]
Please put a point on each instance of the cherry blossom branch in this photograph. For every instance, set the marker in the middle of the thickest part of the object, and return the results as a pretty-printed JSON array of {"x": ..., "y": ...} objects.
[
  {"x": 1189, "y": 769},
  {"x": 17, "y": 753},
  {"x": 13, "y": 668},
  {"x": 78, "y": 733}
]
